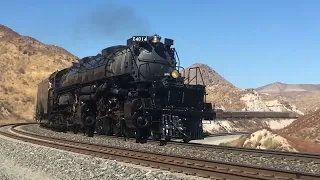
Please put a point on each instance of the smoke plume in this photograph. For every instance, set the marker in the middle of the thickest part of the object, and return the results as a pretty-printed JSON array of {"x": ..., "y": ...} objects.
[{"x": 112, "y": 20}]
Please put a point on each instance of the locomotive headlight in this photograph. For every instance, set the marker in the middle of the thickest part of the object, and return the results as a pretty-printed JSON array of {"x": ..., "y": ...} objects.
[{"x": 175, "y": 74}]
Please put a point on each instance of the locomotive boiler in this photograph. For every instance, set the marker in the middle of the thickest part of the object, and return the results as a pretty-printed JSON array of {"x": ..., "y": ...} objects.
[{"x": 134, "y": 90}]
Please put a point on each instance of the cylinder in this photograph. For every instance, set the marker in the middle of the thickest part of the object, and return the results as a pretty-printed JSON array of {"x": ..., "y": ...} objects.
[{"x": 88, "y": 89}]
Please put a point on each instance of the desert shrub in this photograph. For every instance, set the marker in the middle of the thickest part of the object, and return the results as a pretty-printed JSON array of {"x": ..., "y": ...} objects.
[
  {"x": 225, "y": 143},
  {"x": 25, "y": 82},
  {"x": 30, "y": 99},
  {"x": 271, "y": 144},
  {"x": 248, "y": 145},
  {"x": 3, "y": 88},
  {"x": 21, "y": 70},
  {"x": 241, "y": 140},
  {"x": 238, "y": 142},
  {"x": 10, "y": 89}
]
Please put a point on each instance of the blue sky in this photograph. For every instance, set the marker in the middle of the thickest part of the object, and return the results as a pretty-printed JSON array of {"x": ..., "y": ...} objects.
[{"x": 250, "y": 43}]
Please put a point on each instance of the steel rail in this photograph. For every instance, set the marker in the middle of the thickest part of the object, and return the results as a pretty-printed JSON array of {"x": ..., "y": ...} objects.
[
  {"x": 309, "y": 157},
  {"x": 198, "y": 167},
  {"x": 293, "y": 156}
]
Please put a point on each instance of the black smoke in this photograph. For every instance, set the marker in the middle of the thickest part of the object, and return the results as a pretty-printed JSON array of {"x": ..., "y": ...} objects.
[{"x": 111, "y": 20}]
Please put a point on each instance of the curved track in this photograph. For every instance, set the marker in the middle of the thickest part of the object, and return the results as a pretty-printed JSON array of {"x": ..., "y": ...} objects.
[
  {"x": 294, "y": 156},
  {"x": 198, "y": 167},
  {"x": 255, "y": 152}
]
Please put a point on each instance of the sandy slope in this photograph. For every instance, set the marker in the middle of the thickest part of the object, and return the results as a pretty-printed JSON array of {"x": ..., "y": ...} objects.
[{"x": 24, "y": 62}]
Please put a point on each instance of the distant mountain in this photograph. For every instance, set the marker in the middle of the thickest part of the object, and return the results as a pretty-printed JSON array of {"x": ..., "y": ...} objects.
[
  {"x": 289, "y": 89},
  {"x": 210, "y": 76},
  {"x": 306, "y": 97}
]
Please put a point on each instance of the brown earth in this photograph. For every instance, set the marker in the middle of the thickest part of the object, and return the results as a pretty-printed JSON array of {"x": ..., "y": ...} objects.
[
  {"x": 24, "y": 62},
  {"x": 306, "y": 128},
  {"x": 303, "y": 146},
  {"x": 298, "y": 144},
  {"x": 226, "y": 97},
  {"x": 307, "y": 103}
]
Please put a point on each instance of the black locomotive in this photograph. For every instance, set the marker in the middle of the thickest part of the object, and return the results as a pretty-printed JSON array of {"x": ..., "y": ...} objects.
[{"x": 138, "y": 90}]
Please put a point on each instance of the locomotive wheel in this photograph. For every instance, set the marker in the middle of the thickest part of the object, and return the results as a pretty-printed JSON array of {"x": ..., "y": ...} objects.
[
  {"x": 65, "y": 129},
  {"x": 99, "y": 127},
  {"x": 90, "y": 131},
  {"x": 186, "y": 140},
  {"x": 127, "y": 132},
  {"x": 75, "y": 129},
  {"x": 142, "y": 135},
  {"x": 156, "y": 136},
  {"x": 116, "y": 127},
  {"x": 107, "y": 126}
]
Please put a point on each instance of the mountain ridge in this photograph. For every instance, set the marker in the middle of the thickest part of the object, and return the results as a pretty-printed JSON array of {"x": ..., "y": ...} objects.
[{"x": 279, "y": 87}]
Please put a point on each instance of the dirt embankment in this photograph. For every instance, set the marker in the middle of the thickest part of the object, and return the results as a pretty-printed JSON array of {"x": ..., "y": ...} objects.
[
  {"x": 268, "y": 139},
  {"x": 306, "y": 128},
  {"x": 302, "y": 135}
]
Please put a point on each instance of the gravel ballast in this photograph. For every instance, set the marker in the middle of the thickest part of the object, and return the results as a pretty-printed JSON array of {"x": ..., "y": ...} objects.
[
  {"x": 245, "y": 158},
  {"x": 23, "y": 161}
]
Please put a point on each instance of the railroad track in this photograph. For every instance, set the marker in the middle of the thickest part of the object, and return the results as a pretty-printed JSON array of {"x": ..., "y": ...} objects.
[
  {"x": 192, "y": 166},
  {"x": 306, "y": 157},
  {"x": 249, "y": 152},
  {"x": 294, "y": 156}
]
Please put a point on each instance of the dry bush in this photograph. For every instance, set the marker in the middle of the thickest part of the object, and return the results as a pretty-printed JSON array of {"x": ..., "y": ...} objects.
[
  {"x": 237, "y": 143},
  {"x": 271, "y": 144},
  {"x": 21, "y": 70}
]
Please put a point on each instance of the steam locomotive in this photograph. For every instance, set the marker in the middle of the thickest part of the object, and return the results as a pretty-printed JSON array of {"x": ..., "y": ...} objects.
[{"x": 138, "y": 90}]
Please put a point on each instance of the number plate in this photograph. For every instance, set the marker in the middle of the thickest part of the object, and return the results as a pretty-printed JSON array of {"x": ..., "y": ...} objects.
[{"x": 140, "y": 38}]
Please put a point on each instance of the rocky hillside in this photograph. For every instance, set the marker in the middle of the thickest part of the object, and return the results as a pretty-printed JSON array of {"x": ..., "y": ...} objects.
[
  {"x": 24, "y": 62},
  {"x": 228, "y": 97},
  {"x": 248, "y": 125},
  {"x": 306, "y": 127},
  {"x": 305, "y": 97},
  {"x": 210, "y": 76},
  {"x": 306, "y": 103}
]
